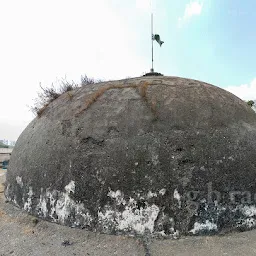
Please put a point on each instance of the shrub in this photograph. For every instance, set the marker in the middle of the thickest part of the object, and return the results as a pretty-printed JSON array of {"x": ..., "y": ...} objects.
[
  {"x": 49, "y": 94},
  {"x": 85, "y": 80}
]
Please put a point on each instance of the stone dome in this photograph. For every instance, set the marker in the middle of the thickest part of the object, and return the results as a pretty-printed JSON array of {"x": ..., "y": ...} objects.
[{"x": 163, "y": 156}]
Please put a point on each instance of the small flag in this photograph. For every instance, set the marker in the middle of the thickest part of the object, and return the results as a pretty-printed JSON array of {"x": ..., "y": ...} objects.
[{"x": 157, "y": 38}]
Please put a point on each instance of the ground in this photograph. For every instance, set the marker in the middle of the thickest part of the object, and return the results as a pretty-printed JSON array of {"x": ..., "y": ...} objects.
[{"x": 22, "y": 234}]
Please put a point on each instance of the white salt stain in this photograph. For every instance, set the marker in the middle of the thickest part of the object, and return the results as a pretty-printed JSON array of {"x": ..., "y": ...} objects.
[
  {"x": 19, "y": 181},
  {"x": 177, "y": 196},
  {"x": 85, "y": 217},
  {"x": 249, "y": 223},
  {"x": 28, "y": 203},
  {"x": 42, "y": 207},
  {"x": 162, "y": 233},
  {"x": 136, "y": 220},
  {"x": 114, "y": 194},
  {"x": 139, "y": 220},
  {"x": 61, "y": 206},
  {"x": 65, "y": 203},
  {"x": 207, "y": 226},
  {"x": 70, "y": 187},
  {"x": 249, "y": 211},
  {"x": 162, "y": 191},
  {"x": 107, "y": 218},
  {"x": 117, "y": 195},
  {"x": 131, "y": 218},
  {"x": 151, "y": 195}
]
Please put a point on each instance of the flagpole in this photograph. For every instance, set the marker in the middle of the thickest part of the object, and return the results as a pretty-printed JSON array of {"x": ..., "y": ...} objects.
[
  {"x": 154, "y": 37},
  {"x": 152, "y": 69}
]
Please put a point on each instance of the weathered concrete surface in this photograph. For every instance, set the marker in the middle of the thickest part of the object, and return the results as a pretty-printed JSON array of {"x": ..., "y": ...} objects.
[
  {"x": 20, "y": 235},
  {"x": 140, "y": 156}
]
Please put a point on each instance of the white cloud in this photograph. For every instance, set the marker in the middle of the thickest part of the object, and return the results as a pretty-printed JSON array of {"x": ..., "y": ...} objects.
[
  {"x": 194, "y": 8},
  {"x": 45, "y": 40},
  {"x": 144, "y": 5},
  {"x": 244, "y": 91}
]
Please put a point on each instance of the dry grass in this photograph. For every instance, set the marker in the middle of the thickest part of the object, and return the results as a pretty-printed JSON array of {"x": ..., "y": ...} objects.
[
  {"x": 143, "y": 88},
  {"x": 92, "y": 99},
  {"x": 153, "y": 105},
  {"x": 2, "y": 214},
  {"x": 85, "y": 80},
  {"x": 142, "y": 91},
  {"x": 41, "y": 110},
  {"x": 49, "y": 94},
  {"x": 70, "y": 95}
]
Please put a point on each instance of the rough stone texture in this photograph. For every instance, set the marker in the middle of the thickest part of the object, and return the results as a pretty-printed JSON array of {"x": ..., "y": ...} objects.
[
  {"x": 163, "y": 156},
  {"x": 22, "y": 234}
]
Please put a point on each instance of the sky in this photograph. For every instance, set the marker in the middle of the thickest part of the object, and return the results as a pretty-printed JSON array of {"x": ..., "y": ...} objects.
[{"x": 42, "y": 41}]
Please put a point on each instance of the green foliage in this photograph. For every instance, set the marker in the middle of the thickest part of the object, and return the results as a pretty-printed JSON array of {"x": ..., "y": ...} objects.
[{"x": 250, "y": 103}]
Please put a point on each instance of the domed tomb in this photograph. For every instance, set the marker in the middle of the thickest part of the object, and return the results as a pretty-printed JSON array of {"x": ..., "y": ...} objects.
[{"x": 163, "y": 156}]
